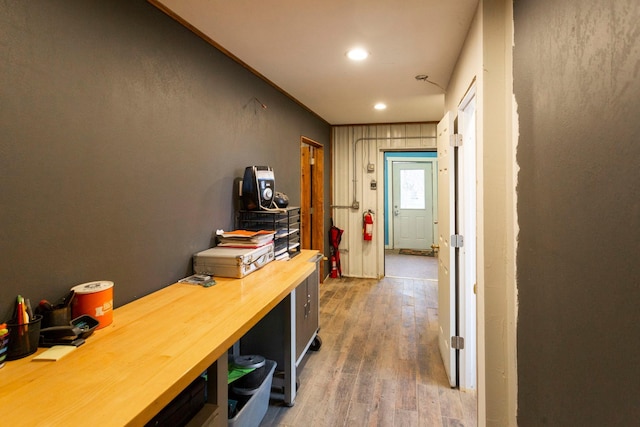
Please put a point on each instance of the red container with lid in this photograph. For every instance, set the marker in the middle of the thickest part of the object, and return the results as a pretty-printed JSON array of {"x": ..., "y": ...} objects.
[{"x": 94, "y": 299}]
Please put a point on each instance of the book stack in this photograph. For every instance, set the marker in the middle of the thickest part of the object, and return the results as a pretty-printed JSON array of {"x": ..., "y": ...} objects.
[{"x": 245, "y": 238}]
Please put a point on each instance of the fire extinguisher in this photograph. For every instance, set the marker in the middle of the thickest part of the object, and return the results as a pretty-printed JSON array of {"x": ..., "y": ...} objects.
[
  {"x": 367, "y": 225},
  {"x": 334, "y": 267}
]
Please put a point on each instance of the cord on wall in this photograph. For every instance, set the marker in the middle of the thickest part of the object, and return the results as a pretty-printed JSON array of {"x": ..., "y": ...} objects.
[
  {"x": 256, "y": 103},
  {"x": 425, "y": 78}
]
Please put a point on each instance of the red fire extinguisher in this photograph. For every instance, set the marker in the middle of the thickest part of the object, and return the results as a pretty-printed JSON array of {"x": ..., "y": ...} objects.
[
  {"x": 334, "y": 267},
  {"x": 367, "y": 225}
]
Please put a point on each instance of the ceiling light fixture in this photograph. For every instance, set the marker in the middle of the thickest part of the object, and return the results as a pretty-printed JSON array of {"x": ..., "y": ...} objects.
[
  {"x": 380, "y": 106},
  {"x": 357, "y": 54}
]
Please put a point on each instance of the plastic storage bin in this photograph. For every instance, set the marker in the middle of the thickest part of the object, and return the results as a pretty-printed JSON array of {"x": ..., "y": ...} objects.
[{"x": 255, "y": 408}]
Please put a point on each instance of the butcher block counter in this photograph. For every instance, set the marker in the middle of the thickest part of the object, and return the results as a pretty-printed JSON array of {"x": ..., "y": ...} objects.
[{"x": 155, "y": 347}]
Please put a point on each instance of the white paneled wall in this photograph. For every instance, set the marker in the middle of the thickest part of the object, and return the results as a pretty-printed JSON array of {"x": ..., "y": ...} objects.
[{"x": 354, "y": 149}]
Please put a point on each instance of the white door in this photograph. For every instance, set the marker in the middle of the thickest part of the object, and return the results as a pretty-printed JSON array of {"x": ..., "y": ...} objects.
[
  {"x": 466, "y": 217},
  {"x": 412, "y": 205},
  {"x": 446, "y": 257}
]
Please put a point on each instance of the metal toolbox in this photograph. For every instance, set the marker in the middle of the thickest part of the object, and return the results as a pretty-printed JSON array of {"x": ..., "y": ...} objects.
[{"x": 232, "y": 262}]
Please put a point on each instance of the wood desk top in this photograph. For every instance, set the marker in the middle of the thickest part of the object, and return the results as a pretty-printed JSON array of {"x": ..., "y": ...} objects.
[{"x": 156, "y": 346}]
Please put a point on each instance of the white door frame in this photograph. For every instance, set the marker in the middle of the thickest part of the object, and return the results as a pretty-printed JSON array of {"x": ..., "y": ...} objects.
[{"x": 457, "y": 304}]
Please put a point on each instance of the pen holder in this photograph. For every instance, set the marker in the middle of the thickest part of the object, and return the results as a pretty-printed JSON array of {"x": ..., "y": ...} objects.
[
  {"x": 24, "y": 338},
  {"x": 56, "y": 317}
]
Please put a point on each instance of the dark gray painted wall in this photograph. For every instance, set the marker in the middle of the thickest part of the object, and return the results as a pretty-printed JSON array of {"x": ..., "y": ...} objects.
[
  {"x": 121, "y": 134},
  {"x": 577, "y": 85}
]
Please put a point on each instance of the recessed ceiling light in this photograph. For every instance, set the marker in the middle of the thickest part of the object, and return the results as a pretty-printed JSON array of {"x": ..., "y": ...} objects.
[
  {"x": 357, "y": 54},
  {"x": 380, "y": 106}
]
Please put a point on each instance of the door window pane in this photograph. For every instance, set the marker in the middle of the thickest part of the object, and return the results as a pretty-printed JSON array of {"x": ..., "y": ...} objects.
[{"x": 412, "y": 189}]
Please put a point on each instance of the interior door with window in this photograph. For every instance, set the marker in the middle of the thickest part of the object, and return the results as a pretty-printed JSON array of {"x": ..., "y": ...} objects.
[{"x": 412, "y": 205}]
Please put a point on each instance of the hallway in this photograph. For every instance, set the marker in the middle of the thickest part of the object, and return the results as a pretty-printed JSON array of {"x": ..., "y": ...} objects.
[{"x": 379, "y": 364}]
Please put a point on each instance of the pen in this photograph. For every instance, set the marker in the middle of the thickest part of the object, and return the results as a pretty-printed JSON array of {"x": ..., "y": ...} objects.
[
  {"x": 29, "y": 309},
  {"x": 19, "y": 311},
  {"x": 22, "y": 316},
  {"x": 25, "y": 313}
]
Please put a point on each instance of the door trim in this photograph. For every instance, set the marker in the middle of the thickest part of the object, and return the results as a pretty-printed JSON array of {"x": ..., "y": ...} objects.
[
  {"x": 315, "y": 182},
  {"x": 406, "y": 156}
]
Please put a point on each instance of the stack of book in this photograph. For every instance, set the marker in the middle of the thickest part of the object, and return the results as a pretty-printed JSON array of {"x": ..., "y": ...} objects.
[{"x": 245, "y": 238}]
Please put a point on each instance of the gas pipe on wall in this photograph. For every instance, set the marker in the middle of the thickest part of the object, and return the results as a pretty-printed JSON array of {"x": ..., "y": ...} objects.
[{"x": 367, "y": 225}]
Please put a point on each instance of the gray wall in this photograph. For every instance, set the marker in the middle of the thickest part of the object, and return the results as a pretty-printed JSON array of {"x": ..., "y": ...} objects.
[
  {"x": 577, "y": 85},
  {"x": 121, "y": 135}
]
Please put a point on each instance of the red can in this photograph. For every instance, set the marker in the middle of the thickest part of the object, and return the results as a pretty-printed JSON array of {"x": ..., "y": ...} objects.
[{"x": 94, "y": 299}]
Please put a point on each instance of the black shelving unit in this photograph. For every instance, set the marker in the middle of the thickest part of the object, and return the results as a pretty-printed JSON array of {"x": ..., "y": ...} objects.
[{"x": 285, "y": 222}]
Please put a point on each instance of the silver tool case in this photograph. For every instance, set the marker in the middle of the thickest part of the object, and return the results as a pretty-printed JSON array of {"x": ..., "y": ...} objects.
[{"x": 225, "y": 261}]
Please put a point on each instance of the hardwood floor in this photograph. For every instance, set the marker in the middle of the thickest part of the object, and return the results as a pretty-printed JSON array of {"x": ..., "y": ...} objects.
[{"x": 379, "y": 363}]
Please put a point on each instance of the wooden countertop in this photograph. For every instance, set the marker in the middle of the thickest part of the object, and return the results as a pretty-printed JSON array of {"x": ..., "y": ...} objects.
[{"x": 156, "y": 346}]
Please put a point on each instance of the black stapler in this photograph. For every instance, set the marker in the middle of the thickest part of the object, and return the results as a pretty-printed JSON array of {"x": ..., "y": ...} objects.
[
  {"x": 73, "y": 334},
  {"x": 61, "y": 335}
]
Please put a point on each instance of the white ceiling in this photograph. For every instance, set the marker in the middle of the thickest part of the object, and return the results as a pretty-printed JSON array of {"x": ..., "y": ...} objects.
[{"x": 300, "y": 45}]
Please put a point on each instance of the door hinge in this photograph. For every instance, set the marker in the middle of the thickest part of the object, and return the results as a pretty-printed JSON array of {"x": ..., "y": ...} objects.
[
  {"x": 455, "y": 140},
  {"x": 457, "y": 343},
  {"x": 457, "y": 241}
]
